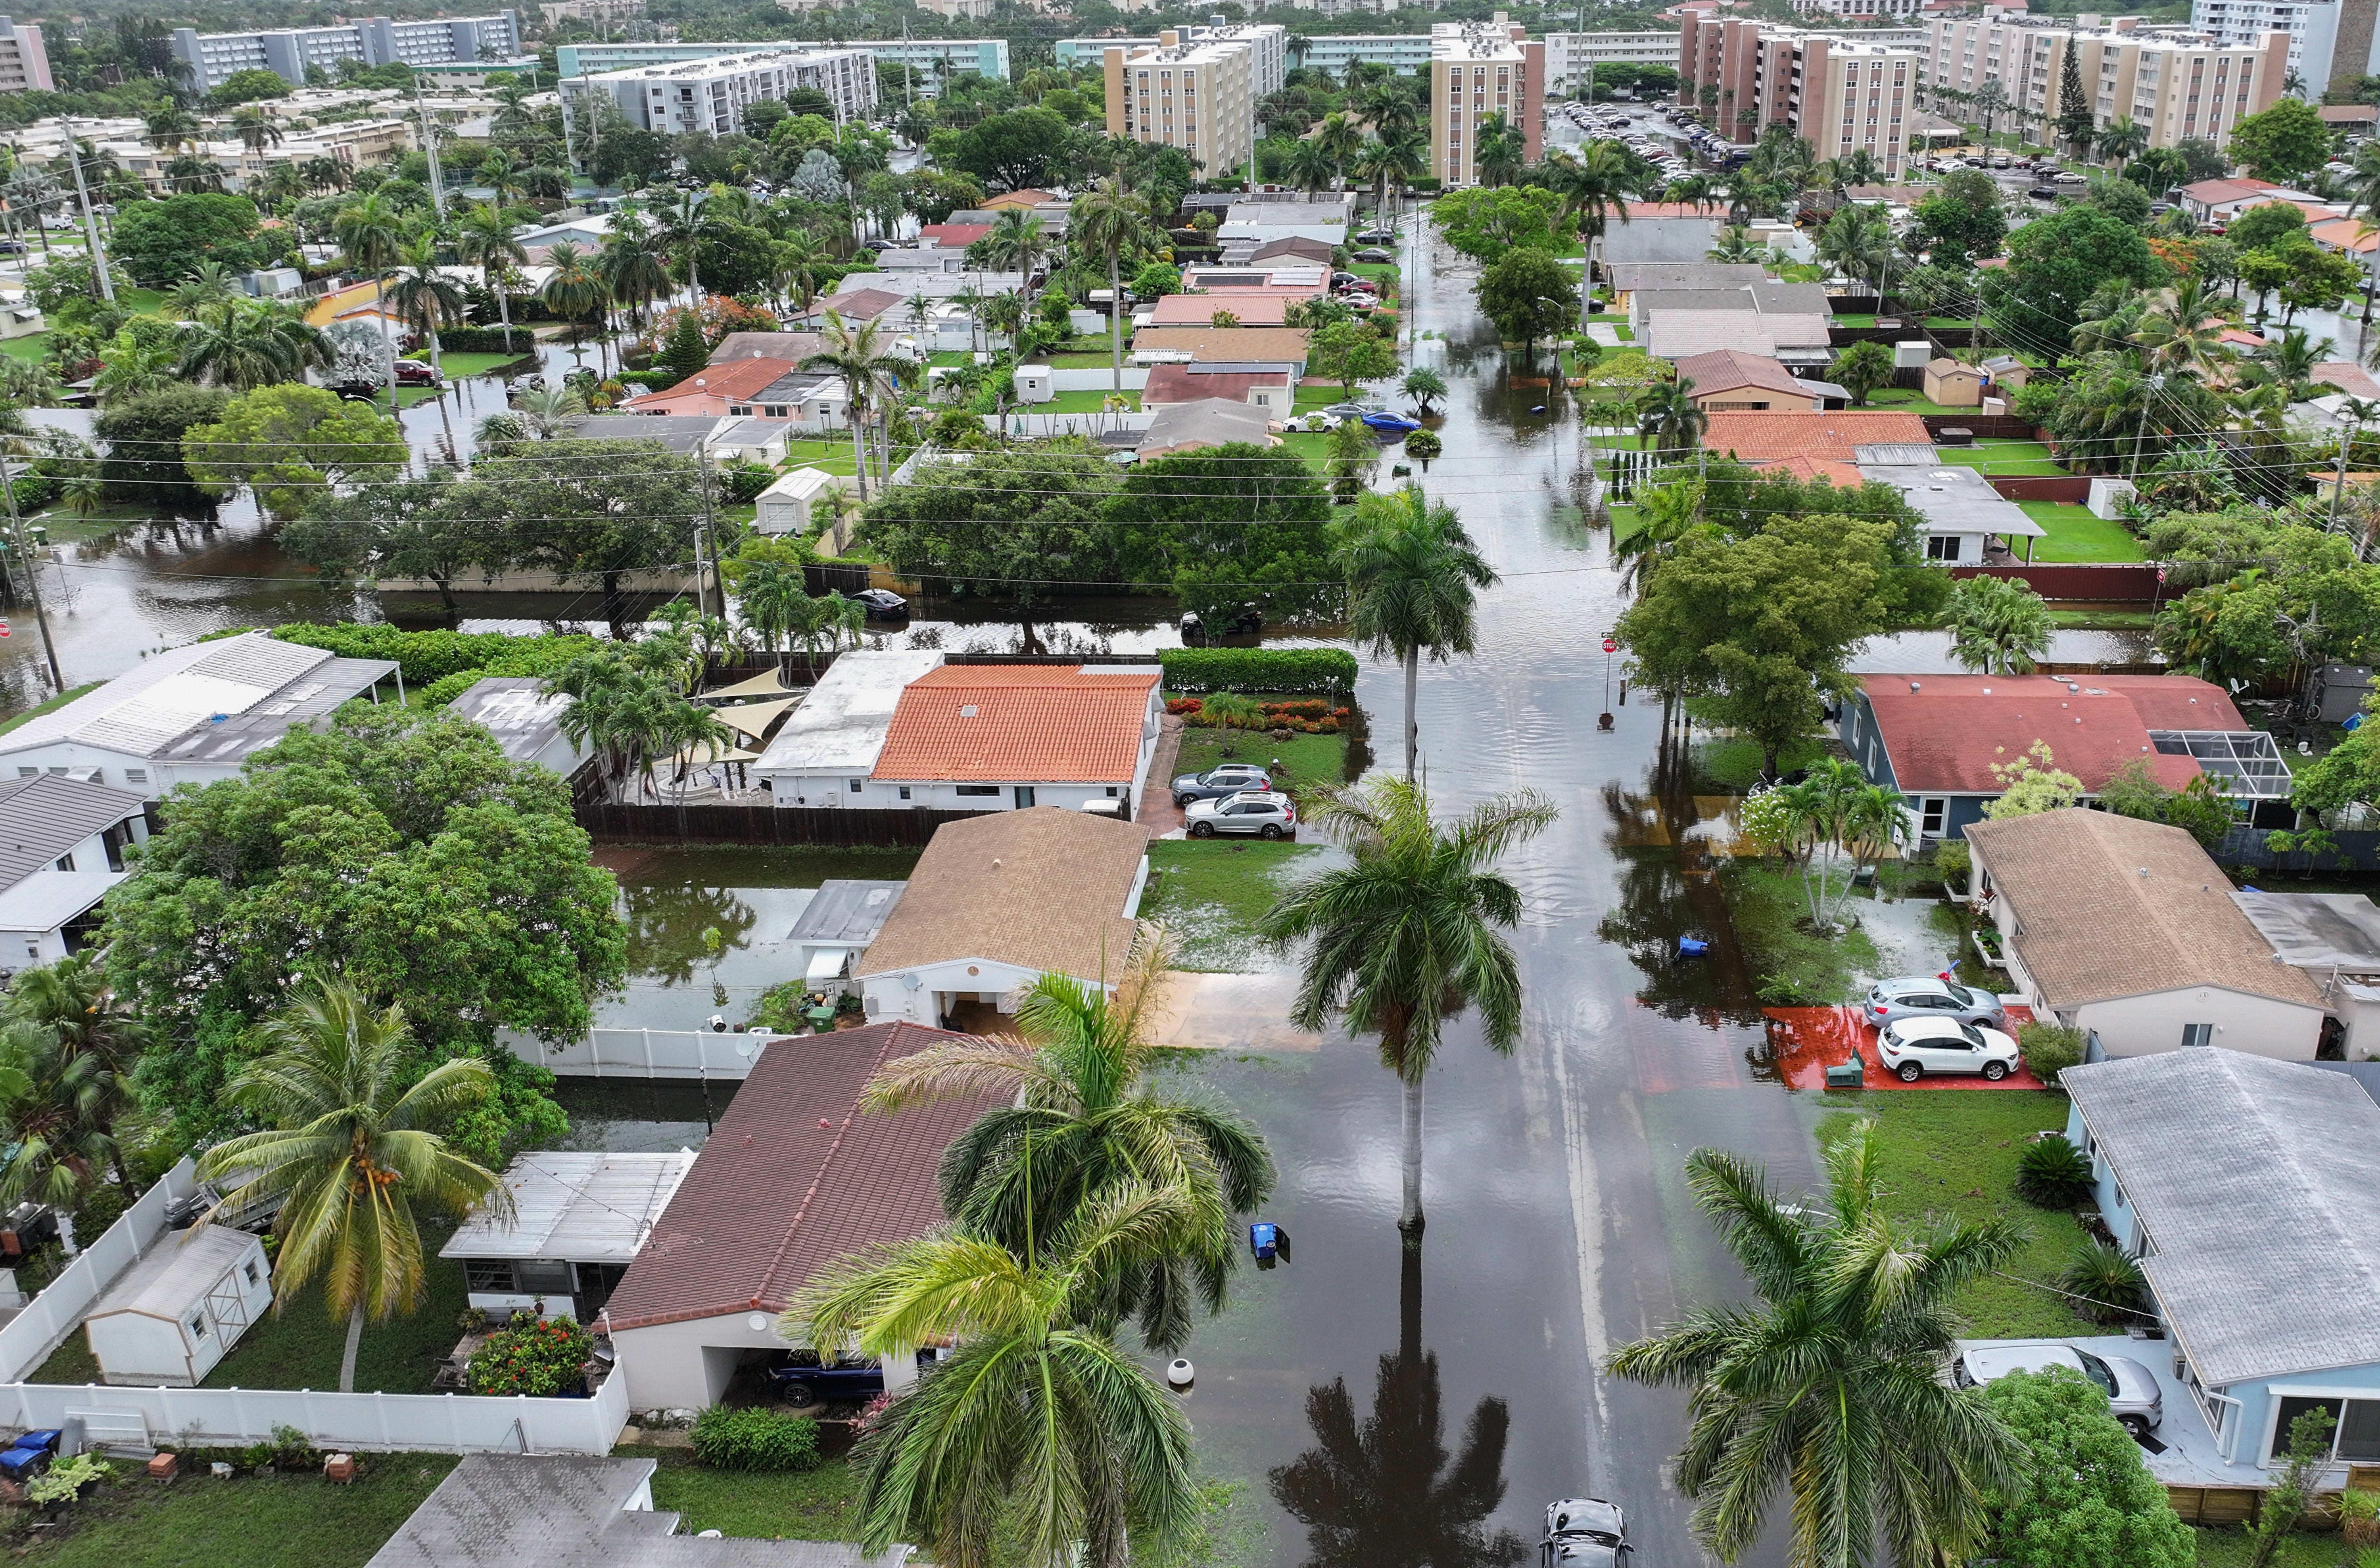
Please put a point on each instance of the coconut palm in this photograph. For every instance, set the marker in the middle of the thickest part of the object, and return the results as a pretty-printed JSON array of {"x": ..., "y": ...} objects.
[
  {"x": 251, "y": 344},
  {"x": 772, "y": 599},
  {"x": 1998, "y": 626},
  {"x": 351, "y": 1154},
  {"x": 1668, "y": 417},
  {"x": 1409, "y": 933},
  {"x": 1665, "y": 515},
  {"x": 1834, "y": 813},
  {"x": 1016, "y": 242},
  {"x": 1038, "y": 1442},
  {"x": 1391, "y": 161},
  {"x": 1424, "y": 385},
  {"x": 209, "y": 289},
  {"x": 2181, "y": 331},
  {"x": 1339, "y": 135},
  {"x": 424, "y": 296},
  {"x": 72, "y": 996},
  {"x": 1079, "y": 1119},
  {"x": 1311, "y": 168},
  {"x": 860, "y": 355},
  {"x": 1109, "y": 220},
  {"x": 634, "y": 273},
  {"x": 372, "y": 232},
  {"x": 1410, "y": 570},
  {"x": 58, "y": 1106},
  {"x": 129, "y": 369},
  {"x": 546, "y": 412},
  {"x": 1826, "y": 1387},
  {"x": 486, "y": 237},
  {"x": 572, "y": 289},
  {"x": 255, "y": 129},
  {"x": 1499, "y": 151}
]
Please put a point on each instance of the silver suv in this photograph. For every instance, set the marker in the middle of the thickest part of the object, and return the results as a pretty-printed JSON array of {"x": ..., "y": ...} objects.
[
  {"x": 1229, "y": 778},
  {"x": 2131, "y": 1389},
  {"x": 1268, "y": 814},
  {"x": 1929, "y": 997}
]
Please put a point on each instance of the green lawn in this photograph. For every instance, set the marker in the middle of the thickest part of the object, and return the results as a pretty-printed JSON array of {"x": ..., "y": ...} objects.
[
  {"x": 249, "y": 1522},
  {"x": 833, "y": 456},
  {"x": 59, "y": 701},
  {"x": 1306, "y": 761},
  {"x": 33, "y": 348},
  {"x": 2075, "y": 534},
  {"x": 1770, "y": 913},
  {"x": 2231, "y": 1547},
  {"x": 1314, "y": 446},
  {"x": 2005, "y": 460},
  {"x": 1955, "y": 1152},
  {"x": 478, "y": 364},
  {"x": 1309, "y": 398},
  {"x": 1213, "y": 891},
  {"x": 806, "y": 1505},
  {"x": 1903, "y": 400},
  {"x": 1086, "y": 401}
]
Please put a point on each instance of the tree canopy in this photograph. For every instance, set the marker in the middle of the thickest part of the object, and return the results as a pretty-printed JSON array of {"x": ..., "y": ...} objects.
[
  {"x": 2285, "y": 142},
  {"x": 1486, "y": 220},
  {"x": 2087, "y": 1497},
  {"x": 2055, "y": 262},
  {"x": 290, "y": 444},
  {"x": 161, "y": 242}
]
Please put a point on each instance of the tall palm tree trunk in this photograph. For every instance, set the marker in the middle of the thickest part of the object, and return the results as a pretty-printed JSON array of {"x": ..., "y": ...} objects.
[
  {"x": 1413, "y": 730},
  {"x": 354, "y": 1339},
  {"x": 1409, "y": 1218},
  {"x": 1115, "y": 319}
]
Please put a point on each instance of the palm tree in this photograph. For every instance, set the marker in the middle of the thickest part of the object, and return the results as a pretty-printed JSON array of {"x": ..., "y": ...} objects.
[
  {"x": 1391, "y": 161},
  {"x": 486, "y": 238},
  {"x": 502, "y": 177},
  {"x": 211, "y": 287},
  {"x": 2181, "y": 331},
  {"x": 860, "y": 356},
  {"x": 254, "y": 343},
  {"x": 73, "y": 997},
  {"x": 128, "y": 370},
  {"x": 634, "y": 273},
  {"x": 169, "y": 127},
  {"x": 1410, "y": 570},
  {"x": 1998, "y": 626},
  {"x": 1016, "y": 242},
  {"x": 1038, "y": 1442},
  {"x": 1500, "y": 152},
  {"x": 424, "y": 296},
  {"x": 1311, "y": 168},
  {"x": 372, "y": 234},
  {"x": 350, "y": 1154},
  {"x": 325, "y": 174},
  {"x": 798, "y": 259},
  {"x": 1665, "y": 515},
  {"x": 1080, "y": 1118},
  {"x": 2121, "y": 139},
  {"x": 1669, "y": 418},
  {"x": 572, "y": 289},
  {"x": 1409, "y": 933},
  {"x": 1832, "y": 813},
  {"x": 1339, "y": 135},
  {"x": 59, "y": 1105},
  {"x": 1826, "y": 1386},
  {"x": 255, "y": 129},
  {"x": 1107, "y": 220},
  {"x": 1424, "y": 385}
]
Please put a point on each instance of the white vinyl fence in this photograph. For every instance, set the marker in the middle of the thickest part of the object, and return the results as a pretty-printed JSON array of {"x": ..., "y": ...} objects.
[
  {"x": 1042, "y": 425},
  {"x": 230, "y": 1417},
  {"x": 689, "y": 1054}
]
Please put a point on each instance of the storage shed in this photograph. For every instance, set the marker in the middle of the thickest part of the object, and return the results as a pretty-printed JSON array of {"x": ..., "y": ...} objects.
[
  {"x": 1953, "y": 385},
  {"x": 173, "y": 1315},
  {"x": 794, "y": 503}
]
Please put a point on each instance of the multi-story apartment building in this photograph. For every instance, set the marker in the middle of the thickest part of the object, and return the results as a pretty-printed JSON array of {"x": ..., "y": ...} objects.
[
  {"x": 712, "y": 94},
  {"x": 594, "y": 13},
  {"x": 1197, "y": 89},
  {"x": 375, "y": 40},
  {"x": 24, "y": 63},
  {"x": 1404, "y": 53},
  {"x": 1478, "y": 69},
  {"x": 933, "y": 59},
  {"x": 1845, "y": 91},
  {"x": 2330, "y": 40},
  {"x": 2172, "y": 82},
  {"x": 1570, "y": 57},
  {"x": 962, "y": 10},
  {"x": 1857, "y": 10}
]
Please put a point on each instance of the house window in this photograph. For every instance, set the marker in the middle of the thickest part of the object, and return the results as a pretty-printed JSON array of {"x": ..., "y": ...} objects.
[
  {"x": 253, "y": 1278},
  {"x": 197, "y": 1326},
  {"x": 904, "y": 791},
  {"x": 2197, "y": 1034},
  {"x": 1930, "y": 813},
  {"x": 1941, "y": 546},
  {"x": 990, "y": 790},
  {"x": 495, "y": 1278},
  {"x": 2355, "y": 1438},
  {"x": 136, "y": 775},
  {"x": 1113, "y": 792},
  {"x": 855, "y": 786},
  {"x": 1024, "y": 796},
  {"x": 65, "y": 863}
]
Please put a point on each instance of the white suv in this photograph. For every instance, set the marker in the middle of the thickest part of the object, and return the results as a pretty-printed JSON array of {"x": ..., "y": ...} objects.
[
  {"x": 1268, "y": 814},
  {"x": 1912, "y": 1047}
]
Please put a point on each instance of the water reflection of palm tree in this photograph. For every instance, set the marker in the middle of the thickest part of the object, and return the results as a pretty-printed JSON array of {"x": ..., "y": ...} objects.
[
  {"x": 666, "y": 924},
  {"x": 1381, "y": 1489}
]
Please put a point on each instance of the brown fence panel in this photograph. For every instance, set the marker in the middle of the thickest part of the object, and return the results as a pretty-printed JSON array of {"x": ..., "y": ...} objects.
[
  {"x": 2125, "y": 583},
  {"x": 2214, "y": 1505},
  {"x": 608, "y": 822},
  {"x": 1984, "y": 428},
  {"x": 2069, "y": 489}
]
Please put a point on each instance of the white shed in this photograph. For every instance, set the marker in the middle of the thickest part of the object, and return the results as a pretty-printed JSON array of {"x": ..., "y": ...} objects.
[
  {"x": 787, "y": 506},
  {"x": 176, "y": 1312}
]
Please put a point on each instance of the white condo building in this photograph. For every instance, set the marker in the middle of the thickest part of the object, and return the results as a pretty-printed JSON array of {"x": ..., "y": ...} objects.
[
  {"x": 2173, "y": 82},
  {"x": 375, "y": 41},
  {"x": 2330, "y": 40},
  {"x": 712, "y": 94}
]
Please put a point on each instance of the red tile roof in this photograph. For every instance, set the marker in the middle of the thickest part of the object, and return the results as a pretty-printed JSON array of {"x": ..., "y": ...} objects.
[
  {"x": 1945, "y": 737},
  {"x": 1173, "y": 383},
  {"x": 2348, "y": 377},
  {"x": 1758, "y": 436},
  {"x": 737, "y": 379},
  {"x": 1725, "y": 370},
  {"x": 775, "y": 1194},
  {"x": 1018, "y": 724},
  {"x": 954, "y": 236}
]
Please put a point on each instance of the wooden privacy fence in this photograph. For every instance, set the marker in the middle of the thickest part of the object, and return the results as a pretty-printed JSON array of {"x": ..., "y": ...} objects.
[
  {"x": 2123, "y": 583},
  {"x": 2070, "y": 489},
  {"x": 1982, "y": 427},
  {"x": 626, "y": 823},
  {"x": 2244, "y": 1505}
]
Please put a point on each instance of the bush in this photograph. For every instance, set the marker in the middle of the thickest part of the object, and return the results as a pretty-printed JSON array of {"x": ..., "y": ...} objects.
[
  {"x": 652, "y": 380},
  {"x": 532, "y": 1357},
  {"x": 2053, "y": 1173},
  {"x": 446, "y": 688},
  {"x": 1952, "y": 862},
  {"x": 2109, "y": 1282},
  {"x": 1259, "y": 669},
  {"x": 428, "y": 656},
  {"x": 755, "y": 1439},
  {"x": 67, "y": 1478},
  {"x": 2049, "y": 1050},
  {"x": 743, "y": 482},
  {"x": 485, "y": 339}
]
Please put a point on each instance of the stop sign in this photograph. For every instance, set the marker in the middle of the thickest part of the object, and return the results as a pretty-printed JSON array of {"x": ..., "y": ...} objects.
[{"x": 1609, "y": 645}]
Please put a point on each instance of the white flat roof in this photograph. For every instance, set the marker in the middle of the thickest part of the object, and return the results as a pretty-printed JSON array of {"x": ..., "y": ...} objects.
[
  {"x": 575, "y": 1208},
  {"x": 840, "y": 726},
  {"x": 142, "y": 712},
  {"x": 47, "y": 899}
]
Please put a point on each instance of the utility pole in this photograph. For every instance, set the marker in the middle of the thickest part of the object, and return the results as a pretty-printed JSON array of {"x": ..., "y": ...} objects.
[
  {"x": 430, "y": 145},
  {"x": 33, "y": 569},
  {"x": 91, "y": 226},
  {"x": 710, "y": 535},
  {"x": 908, "y": 72}
]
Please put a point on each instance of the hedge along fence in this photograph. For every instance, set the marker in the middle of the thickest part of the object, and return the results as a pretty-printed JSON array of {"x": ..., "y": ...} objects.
[
  {"x": 439, "y": 660},
  {"x": 486, "y": 340},
  {"x": 1194, "y": 670}
]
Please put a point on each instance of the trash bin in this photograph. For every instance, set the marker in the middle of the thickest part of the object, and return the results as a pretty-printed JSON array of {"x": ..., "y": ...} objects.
[{"x": 1847, "y": 1075}]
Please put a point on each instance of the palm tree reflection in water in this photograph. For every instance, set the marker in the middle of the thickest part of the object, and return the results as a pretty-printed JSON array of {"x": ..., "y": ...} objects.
[{"x": 1384, "y": 1489}]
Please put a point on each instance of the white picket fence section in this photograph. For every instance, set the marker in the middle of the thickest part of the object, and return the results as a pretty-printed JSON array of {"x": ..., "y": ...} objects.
[
  {"x": 1042, "y": 425},
  {"x": 231, "y": 1417},
  {"x": 688, "y": 1053}
]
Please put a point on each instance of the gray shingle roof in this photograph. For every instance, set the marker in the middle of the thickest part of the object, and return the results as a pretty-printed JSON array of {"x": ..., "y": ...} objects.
[
  {"x": 2253, "y": 1180},
  {"x": 42, "y": 818}
]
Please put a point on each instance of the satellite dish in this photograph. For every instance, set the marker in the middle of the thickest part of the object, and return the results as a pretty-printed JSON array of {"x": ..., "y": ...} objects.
[{"x": 757, "y": 1322}]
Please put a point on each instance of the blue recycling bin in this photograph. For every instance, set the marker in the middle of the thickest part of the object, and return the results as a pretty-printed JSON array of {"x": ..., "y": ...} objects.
[
  {"x": 1264, "y": 1240},
  {"x": 1692, "y": 946}
]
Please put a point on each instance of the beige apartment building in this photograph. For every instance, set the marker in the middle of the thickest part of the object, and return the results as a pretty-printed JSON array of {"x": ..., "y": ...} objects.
[
  {"x": 1478, "y": 69},
  {"x": 1845, "y": 91},
  {"x": 24, "y": 62},
  {"x": 1197, "y": 89},
  {"x": 2174, "y": 81},
  {"x": 594, "y": 13}
]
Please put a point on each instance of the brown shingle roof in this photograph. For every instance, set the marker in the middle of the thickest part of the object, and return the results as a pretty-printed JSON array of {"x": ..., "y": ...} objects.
[
  {"x": 1018, "y": 724},
  {"x": 1945, "y": 737},
  {"x": 1217, "y": 346},
  {"x": 1040, "y": 888},
  {"x": 1253, "y": 308},
  {"x": 1725, "y": 369},
  {"x": 1778, "y": 433},
  {"x": 775, "y": 1195},
  {"x": 2092, "y": 928},
  {"x": 1173, "y": 383}
]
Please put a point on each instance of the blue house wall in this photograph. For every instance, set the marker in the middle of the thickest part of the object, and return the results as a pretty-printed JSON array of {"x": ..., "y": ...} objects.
[{"x": 1855, "y": 728}]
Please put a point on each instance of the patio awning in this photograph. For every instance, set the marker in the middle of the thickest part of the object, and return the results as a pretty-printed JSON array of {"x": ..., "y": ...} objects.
[
  {"x": 754, "y": 718},
  {"x": 763, "y": 685},
  {"x": 703, "y": 757}
]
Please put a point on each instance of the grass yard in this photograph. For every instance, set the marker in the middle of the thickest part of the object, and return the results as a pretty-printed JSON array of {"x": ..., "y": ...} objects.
[
  {"x": 1211, "y": 892},
  {"x": 2231, "y": 1547},
  {"x": 1954, "y": 1151},
  {"x": 1733, "y": 762},
  {"x": 249, "y": 1522},
  {"x": 1309, "y": 398},
  {"x": 1086, "y": 401},
  {"x": 457, "y": 363},
  {"x": 804, "y": 1505},
  {"x": 2104, "y": 617},
  {"x": 833, "y": 456},
  {"x": 1901, "y": 399},
  {"x": 1307, "y": 761},
  {"x": 1381, "y": 272},
  {"x": 1768, "y": 911},
  {"x": 33, "y": 348},
  {"x": 59, "y": 701},
  {"x": 2076, "y": 534},
  {"x": 1314, "y": 446},
  {"x": 2005, "y": 460}
]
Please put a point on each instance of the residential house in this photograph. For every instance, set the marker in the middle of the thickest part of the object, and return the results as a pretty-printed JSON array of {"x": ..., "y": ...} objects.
[
  {"x": 2219, "y": 202},
  {"x": 1963, "y": 514},
  {"x": 1210, "y": 422},
  {"x": 754, "y": 387},
  {"x": 1659, "y": 231},
  {"x": 1626, "y": 279},
  {"x": 525, "y": 719},
  {"x": 2126, "y": 928},
  {"x": 62, "y": 843},
  {"x": 1935, "y": 739},
  {"x": 765, "y": 442},
  {"x": 2334, "y": 940},
  {"x": 952, "y": 236},
  {"x": 1287, "y": 250},
  {"x": 997, "y": 902},
  {"x": 1816, "y": 445},
  {"x": 841, "y": 918},
  {"x": 2348, "y": 377},
  {"x": 1220, "y": 346},
  {"x": 2243, "y": 1186},
  {"x": 1762, "y": 295},
  {"x": 791, "y": 347},
  {"x": 524, "y": 1510},
  {"x": 575, "y": 1221},
  {"x": 1248, "y": 306},
  {"x": 1254, "y": 221},
  {"x": 190, "y": 715},
  {"x": 826, "y": 750},
  {"x": 1954, "y": 385},
  {"x": 996, "y": 737},
  {"x": 688, "y": 435},
  {"x": 1026, "y": 198},
  {"x": 795, "y": 1176},
  {"x": 1730, "y": 380},
  {"x": 1272, "y": 388}
]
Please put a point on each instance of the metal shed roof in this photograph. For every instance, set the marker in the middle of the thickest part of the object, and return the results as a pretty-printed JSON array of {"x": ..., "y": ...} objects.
[
  {"x": 41, "y": 818},
  {"x": 847, "y": 911},
  {"x": 2317, "y": 931},
  {"x": 516, "y": 710},
  {"x": 575, "y": 1208},
  {"x": 177, "y": 1275}
]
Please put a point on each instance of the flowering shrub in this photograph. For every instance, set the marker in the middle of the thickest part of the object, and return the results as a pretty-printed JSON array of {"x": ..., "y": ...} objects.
[
  {"x": 1307, "y": 715},
  {"x": 533, "y": 1356}
]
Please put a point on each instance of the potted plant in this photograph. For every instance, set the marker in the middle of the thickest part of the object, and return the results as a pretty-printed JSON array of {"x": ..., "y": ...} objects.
[{"x": 1988, "y": 944}]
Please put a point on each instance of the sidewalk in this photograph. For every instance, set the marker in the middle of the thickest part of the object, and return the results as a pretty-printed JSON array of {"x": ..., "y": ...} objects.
[{"x": 1155, "y": 810}]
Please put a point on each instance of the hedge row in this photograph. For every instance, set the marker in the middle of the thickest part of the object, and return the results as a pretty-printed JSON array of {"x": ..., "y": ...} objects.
[
  {"x": 433, "y": 657},
  {"x": 485, "y": 339},
  {"x": 1257, "y": 669}
]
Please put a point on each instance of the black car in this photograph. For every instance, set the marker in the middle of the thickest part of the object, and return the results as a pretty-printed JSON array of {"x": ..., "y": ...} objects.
[
  {"x": 882, "y": 604},
  {"x": 801, "y": 1381},
  {"x": 1584, "y": 1532},
  {"x": 2043, "y": 193}
]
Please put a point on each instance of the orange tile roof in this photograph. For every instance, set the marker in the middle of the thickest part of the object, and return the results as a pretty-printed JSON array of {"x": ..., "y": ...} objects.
[
  {"x": 1018, "y": 724},
  {"x": 735, "y": 380},
  {"x": 1776, "y": 434},
  {"x": 1838, "y": 474}
]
